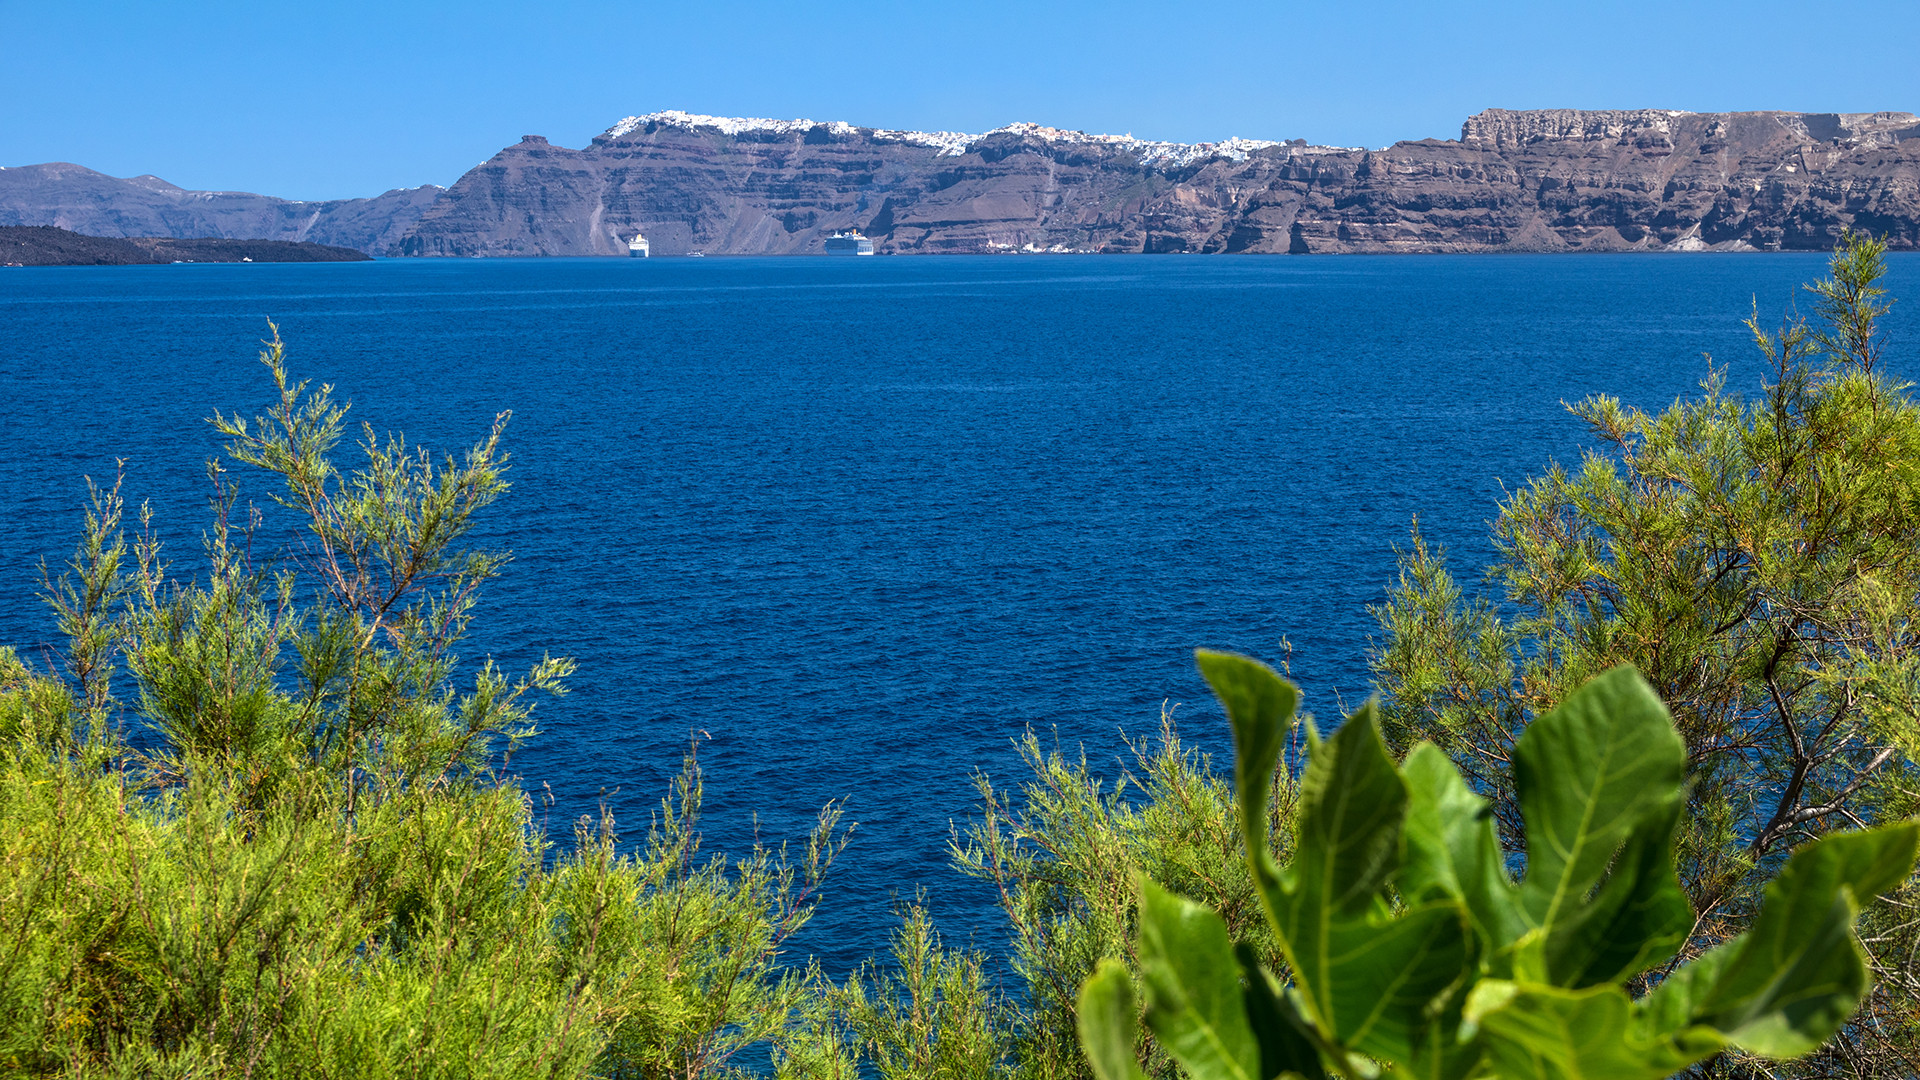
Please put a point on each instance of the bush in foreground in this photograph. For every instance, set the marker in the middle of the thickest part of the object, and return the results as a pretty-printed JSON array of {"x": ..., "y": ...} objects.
[
  {"x": 1411, "y": 949},
  {"x": 304, "y": 865}
]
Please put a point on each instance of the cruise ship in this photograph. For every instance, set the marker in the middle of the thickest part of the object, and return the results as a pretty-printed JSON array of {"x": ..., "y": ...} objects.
[
  {"x": 849, "y": 243},
  {"x": 638, "y": 248}
]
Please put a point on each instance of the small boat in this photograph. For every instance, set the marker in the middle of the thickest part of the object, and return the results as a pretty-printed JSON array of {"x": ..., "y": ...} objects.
[
  {"x": 849, "y": 243},
  {"x": 638, "y": 248}
]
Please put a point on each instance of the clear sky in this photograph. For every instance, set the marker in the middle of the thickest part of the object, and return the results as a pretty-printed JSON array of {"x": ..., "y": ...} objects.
[{"x": 336, "y": 98}]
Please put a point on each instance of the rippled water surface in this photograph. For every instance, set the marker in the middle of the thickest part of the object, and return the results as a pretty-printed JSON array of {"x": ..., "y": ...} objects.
[{"x": 857, "y": 524}]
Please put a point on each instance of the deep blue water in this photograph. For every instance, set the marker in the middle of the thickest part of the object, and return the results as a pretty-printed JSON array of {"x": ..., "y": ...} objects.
[{"x": 862, "y": 522}]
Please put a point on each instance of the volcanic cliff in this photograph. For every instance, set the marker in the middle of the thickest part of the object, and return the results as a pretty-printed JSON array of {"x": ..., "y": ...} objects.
[{"x": 1540, "y": 180}]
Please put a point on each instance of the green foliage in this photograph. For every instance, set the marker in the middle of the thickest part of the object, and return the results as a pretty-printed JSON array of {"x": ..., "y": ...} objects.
[
  {"x": 1063, "y": 852},
  {"x": 305, "y": 865},
  {"x": 1412, "y": 950},
  {"x": 695, "y": 946},
  {"x": 435, "y": 939},
  {"x": 1756, "y": 560},
  {"x": 934, "y": 1016}
]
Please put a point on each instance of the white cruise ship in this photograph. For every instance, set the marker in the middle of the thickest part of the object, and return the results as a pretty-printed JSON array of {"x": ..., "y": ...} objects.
[
  {"x": 849, "y": 243},
  {"x": 638, "y": 248}
]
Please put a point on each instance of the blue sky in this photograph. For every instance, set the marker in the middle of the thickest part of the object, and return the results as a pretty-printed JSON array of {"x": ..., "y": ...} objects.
[{"x": 326, "y": 100}]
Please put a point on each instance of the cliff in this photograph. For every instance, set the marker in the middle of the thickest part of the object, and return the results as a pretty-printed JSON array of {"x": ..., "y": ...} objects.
[
  {"x": 1539, "y": 180},
  {"x": 83, "y": 201}
]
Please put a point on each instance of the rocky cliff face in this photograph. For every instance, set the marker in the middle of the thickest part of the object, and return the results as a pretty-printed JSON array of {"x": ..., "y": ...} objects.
[
  {"x": 1540, "y": 180},
  {"x": 1601, "y": 181},
  {"x": 727, "y": 186},
  {"x": 84, "y": 201}
]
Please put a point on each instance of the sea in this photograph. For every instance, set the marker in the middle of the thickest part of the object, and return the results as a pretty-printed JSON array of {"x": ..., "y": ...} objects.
[{"x": 849, "y": 528}]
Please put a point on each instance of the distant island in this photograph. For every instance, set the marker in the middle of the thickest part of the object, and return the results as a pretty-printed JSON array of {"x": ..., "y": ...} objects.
[
  {"x": 1544, "y": 180},
  {"x": 45, "y": 245}
]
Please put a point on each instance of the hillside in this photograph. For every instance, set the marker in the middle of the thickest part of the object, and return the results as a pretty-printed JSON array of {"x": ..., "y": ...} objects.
[{"x": 84, "y": 201}]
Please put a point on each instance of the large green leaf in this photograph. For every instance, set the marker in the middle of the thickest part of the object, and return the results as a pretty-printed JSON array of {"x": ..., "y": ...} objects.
[
  {"x": 1794, "y": 978},
  {"x": 1636, "y": 919},
  {"x": 1669, "y": 1009},
  {"x": 1384, "y": 980},
  {"x": 1453, "y": 848},
  {"x": 1602, "y": 901},
  {"x": 1260, "y": 706},
  {"x": 1444, "y": 1051},
  {"x": 1599, "y": 783},
  {"x": 1537, "y": 1032},
  {"x": 1285, "y": 1048},
  {"x": 1108, "y": 1028},
  {"x": 1352, "y": 807},
  {"x": 1367, "y": 981},
  {"x": 1453, "y": 851},
  {"x": 1194, "y": 1001}
]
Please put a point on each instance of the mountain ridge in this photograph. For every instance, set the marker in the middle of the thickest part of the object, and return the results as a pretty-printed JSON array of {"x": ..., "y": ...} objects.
[{"x": 78, "y": 199}]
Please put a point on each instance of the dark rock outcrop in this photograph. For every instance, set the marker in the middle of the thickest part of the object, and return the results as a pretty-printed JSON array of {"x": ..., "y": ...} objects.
[
  {"x": 228, "y": 249},
  {"x": 1540, "y": 180},
  {"x": 83, "y": 201},
  {"x": 45, "y": 245}
]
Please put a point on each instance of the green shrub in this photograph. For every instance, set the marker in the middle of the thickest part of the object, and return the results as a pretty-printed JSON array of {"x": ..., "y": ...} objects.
[
  {"x": 311, "y": 869},
  {"x": 1063, "y": 851},
  {"x": 930, "y": 1014}
]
